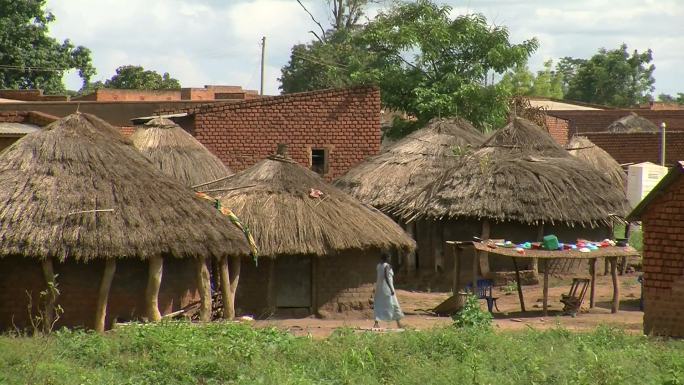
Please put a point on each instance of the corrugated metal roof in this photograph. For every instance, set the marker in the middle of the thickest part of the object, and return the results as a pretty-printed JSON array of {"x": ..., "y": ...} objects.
[{"x": 14, "y": 129}]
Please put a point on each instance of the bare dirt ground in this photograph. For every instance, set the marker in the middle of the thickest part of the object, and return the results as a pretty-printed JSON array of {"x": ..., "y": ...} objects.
[{"x": 629, "y": 318}]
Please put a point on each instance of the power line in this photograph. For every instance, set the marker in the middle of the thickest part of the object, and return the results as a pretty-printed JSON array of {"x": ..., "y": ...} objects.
[{"x": 32, "y": 68}]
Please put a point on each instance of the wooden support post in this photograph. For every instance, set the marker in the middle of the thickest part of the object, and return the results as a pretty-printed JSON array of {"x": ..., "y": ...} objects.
[
  {"x": 226, "y": 295},
  {"x": 592, "y": 271},
  {"x": 623, "y": 260},
  {"x": 476, "y": 265},
  {"x": 517, "y": 280},
  {"x": 456, "y": 254},
  {"x": 540, "y": 237},
  {"x": 49, "y": 275},
  {"x": 545, "y": 265},
  {"x": 410, "y": 258},
  {"x": 484, "y": 256},
  {"x": 314, "y": 286},
  {"x": 103, "y": 294},
  {"x": 616, "y": 285},
  {"x": 204, "y": 287},
  {"x": 154, "y": 278}
]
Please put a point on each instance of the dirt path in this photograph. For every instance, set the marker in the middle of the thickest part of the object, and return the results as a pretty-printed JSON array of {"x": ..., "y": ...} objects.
[{"x": 628, "y": 318}]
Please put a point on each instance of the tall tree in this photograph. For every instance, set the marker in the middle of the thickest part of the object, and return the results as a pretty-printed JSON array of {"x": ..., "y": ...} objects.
[
  {"x": 548, "y": 83},
  {"x": 519, "y": 81},
  {"x": 614, "y": 78},
  {"x": 428, "y": 64},
  {"x": 567, "y": 68},
  {"x": 666, "y": 98},
  {"x": 29, "y": 57},
  {"x": 136, "y": 77}
]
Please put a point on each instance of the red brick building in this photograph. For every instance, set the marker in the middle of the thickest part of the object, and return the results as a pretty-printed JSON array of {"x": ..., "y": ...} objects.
[
  {"x": 662, "y": 216},
  {"x": 16, "y": 124},
  {"x": 328, "y": 130}
]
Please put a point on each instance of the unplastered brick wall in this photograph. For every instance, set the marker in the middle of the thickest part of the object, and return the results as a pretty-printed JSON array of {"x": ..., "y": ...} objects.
[
  {"x": 345, "y": 123},
  {"x": 663, "y": 263},
  {"x": 558, "y": 128},
  {"x": 641, "y": 146}
]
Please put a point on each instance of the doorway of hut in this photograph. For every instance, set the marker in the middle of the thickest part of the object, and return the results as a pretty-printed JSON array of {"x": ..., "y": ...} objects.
[{"x": 293, "y": 286}]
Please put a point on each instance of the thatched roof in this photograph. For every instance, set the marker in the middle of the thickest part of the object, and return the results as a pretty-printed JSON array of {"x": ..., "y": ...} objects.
[
  {"x": 584, "y": 149},
  {"x": 520, "y": 174},
  {"x": 277, "y": 204},
  {"x": 52, "y": 180},
  {"x": 177, "y": 153},
  {"x": 410, "y": 164},
  {"x": 632, "y": 123}
]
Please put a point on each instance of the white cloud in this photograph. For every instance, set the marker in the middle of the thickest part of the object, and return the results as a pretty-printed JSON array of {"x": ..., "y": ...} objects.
[{"x": 217, "y": 41}]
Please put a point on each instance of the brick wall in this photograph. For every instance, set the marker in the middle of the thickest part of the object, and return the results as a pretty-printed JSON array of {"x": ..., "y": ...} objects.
[
  {"x": 663, "y": 263},
  {"x": 558, "y": 128},
  {"x": 343, "y": 283},
  {"x": 640, "y": 147},
  {"x": 346, "y": 122},
  {"x": 79, "y": 285},
  {"x": 122, "y": 95}
]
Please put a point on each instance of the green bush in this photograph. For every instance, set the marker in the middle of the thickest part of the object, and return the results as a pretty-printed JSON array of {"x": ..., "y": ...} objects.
[
  {"x": 472, "y": 315},
  {"x": 174, "y": 353}
]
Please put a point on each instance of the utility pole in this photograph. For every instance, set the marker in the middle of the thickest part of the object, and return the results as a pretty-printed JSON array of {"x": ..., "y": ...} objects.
[
  {"x": 663, "y": 128},
  {"x": 263, "y": 52}
]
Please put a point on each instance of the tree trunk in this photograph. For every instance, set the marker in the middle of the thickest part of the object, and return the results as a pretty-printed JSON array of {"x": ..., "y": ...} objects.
[
  {"x": 49, "y": 275},
  {"x": 234, "y": 278},
  {"x": 154, "y": 278},
  {"x": 204, "y": 287},
  {"x": 226, "y": 295},
  {"x": 103, "y": 295}
]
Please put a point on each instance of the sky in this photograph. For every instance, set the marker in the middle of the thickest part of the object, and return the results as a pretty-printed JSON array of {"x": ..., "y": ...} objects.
[{"x": 203, "y": 42}]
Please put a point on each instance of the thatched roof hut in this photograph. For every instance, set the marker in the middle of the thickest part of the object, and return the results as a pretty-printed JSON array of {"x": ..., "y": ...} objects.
[
  {"x": 632, "y": 123},
  {"x": 277, "y": 203},
  {"x": 410, "y": 164},
  {"x": 324, "y": 244},
  {"x": 79, "y": 194},
  {"x": 177, "y": 153},
  {"x": 520, "y": 174},
  {"x": 583, "y": 148}
]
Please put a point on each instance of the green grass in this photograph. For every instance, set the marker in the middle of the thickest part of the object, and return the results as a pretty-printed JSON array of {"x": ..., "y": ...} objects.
[
  {"x": 181, "y": 353},
  {"x": 635, "y": 238}
]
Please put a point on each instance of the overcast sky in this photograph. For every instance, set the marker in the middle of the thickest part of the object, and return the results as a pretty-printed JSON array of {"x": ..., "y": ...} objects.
[{"x": 217, "y": 41}]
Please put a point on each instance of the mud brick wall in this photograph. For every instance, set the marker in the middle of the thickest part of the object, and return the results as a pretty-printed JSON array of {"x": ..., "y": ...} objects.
[
  {"x": 640, "y": 147},
  {"x": 345, "y": 122},
  {"x": 663, "y": 263},
  {"x": 79, "y": 284},
  {"x": 559, "y": 129},
  {"x": 345, "y": 283}
]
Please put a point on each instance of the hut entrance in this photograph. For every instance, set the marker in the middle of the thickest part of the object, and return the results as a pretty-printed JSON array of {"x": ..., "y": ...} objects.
[{"x": 293, "y": 282}]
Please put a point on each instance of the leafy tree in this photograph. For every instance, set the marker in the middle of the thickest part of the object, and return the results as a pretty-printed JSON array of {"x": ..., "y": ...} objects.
[
  {"x": 665, "y": 98},
  {"x": 29, "y": 57},
  {"x": 567, "y": 69},
  {"x": 614, "y": 78},
  {"x": 519, "y": 81},
  {"x": 428, "y": 64},
  {"x": 548, "y": 82},
  {"x": 136, "y": 77}
]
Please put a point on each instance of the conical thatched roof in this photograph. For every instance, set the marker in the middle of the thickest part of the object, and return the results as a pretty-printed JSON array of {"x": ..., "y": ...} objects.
[
  {"x": 410, "y": 164},
  {"x": 584, "y": 149},
  {"x": 632, "y": 123},
  {"x": 51, "y": 180},
  {"x": 177, "y": 153},
  {"x": 519, "y": 174},
  {"x": 277, "y": 204}
]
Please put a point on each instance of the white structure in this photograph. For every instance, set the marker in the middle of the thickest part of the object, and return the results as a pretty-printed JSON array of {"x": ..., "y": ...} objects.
[{"x": 641, "y": 178}]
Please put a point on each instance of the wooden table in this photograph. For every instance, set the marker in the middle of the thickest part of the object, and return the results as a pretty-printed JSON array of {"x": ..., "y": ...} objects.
[{"x": 612, "y": 253}]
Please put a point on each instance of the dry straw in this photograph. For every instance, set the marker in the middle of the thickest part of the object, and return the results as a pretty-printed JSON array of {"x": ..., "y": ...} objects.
[
  {"x": 283, "y": 209},
  {"x": 411, "y": 164},
  {"x": 586, "y": 150},
  {"x": 520, "y": 174},
  {"x": 632, "y": 123},
  {"x": 177, "y": 153},
  {"x": 81, "y": 163}
]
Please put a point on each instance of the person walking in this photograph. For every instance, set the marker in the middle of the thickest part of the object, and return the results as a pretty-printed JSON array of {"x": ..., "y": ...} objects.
[{"x": 385, "y": 304}]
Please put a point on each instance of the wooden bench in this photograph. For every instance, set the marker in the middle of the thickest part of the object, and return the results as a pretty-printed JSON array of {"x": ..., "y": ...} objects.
[
  {"x": 573, "y": 300},
  {"x": 484, "y": 291}
]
